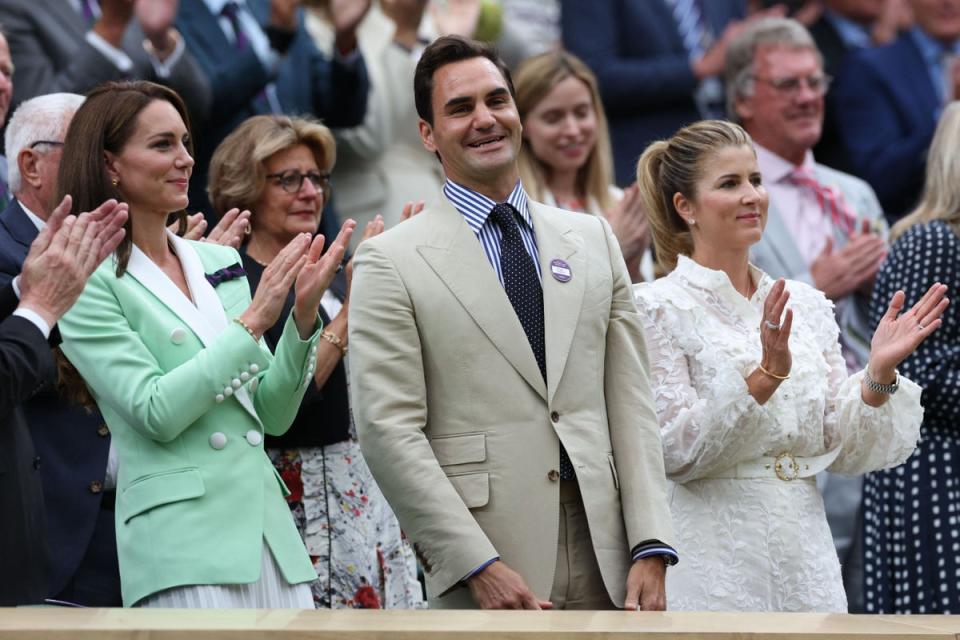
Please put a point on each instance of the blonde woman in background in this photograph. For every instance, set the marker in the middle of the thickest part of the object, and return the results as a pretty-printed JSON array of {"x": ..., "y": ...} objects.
[
  {"x": 753, "y": 396},
  {"x": 565, "y": 160}
]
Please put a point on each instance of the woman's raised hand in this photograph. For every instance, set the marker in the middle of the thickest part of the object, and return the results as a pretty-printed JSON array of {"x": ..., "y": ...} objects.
[
  {"x": 628, "y": 219},
  {"x": 231, "y": 228},
  {"x": 275, "y": 284},
  {"x": 774, "y": 334},
  {"x": 316, "y": 275},
  {"x": 898, "y": 335}
]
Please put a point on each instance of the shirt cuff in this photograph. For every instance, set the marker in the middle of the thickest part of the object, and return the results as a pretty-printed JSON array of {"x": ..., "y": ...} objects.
[
  {"x": 34, "y": 318},
  {"x": 118, "y": 58},
  {"x": 649, "y": 548},
  {"x": 16, "y": 286},
  {"x": 479, "y": 569},
  {"x": 163, "y": 68}
]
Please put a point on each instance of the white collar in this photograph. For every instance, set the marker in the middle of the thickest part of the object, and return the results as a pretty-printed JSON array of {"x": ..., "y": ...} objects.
[
  {"x": 34, "y": 218},
  {"x": 718, "y": 282}
]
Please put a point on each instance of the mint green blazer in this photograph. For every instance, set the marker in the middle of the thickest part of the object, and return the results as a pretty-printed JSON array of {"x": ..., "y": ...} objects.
[{"x": 188, "y": 396}]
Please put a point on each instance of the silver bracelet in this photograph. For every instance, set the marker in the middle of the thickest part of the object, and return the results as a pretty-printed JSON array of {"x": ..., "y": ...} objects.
[{"x": 876, "y": 387}]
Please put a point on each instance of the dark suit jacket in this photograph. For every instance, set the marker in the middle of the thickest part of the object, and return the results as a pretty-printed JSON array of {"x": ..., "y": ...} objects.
[
  {"x": 635, "y": 49},
  {"x": 25, "y": 362},
  {"x": 886, "y": 106},
  {"x": 306, "y": 82},
  {"x": 70, "y": 441},
  {"x": 50, "y": 54},
  {"x": 829, "y": 150}
]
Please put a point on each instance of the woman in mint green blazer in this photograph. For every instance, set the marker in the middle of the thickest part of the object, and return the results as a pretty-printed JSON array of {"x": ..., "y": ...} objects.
[{"x": 168, "y": 342}]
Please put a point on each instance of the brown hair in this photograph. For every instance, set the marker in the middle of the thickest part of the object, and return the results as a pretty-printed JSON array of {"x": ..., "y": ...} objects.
[
  {"x": 105, "y": 122},
  {"x": 447, "y": 50},
  {"x": 237, "y": 173},
  {"x": 536, "y": 77},
  {"x": 674, "y": 166}
]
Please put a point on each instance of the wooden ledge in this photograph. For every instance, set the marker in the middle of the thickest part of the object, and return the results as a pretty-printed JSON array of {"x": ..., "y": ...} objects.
[{"x": 42, "y": 623}]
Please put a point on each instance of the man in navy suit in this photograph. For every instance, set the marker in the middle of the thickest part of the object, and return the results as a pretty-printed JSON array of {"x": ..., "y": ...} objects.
[
  {"x": 260, "y": 59},
  {"x": 73, "y": 443},
  {"x": 655, "y": 62},
  {"x": 887, "y": 101}
]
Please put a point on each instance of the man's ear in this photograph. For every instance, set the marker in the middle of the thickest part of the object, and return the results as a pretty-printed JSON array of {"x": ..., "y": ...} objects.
[
  {"x": 426, "y": 135},
  {"x": 743, "y": 108},
  {"x": 27, "y": 164}
]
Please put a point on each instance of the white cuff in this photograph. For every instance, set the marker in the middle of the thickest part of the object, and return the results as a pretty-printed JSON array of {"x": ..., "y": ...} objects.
[
  {"x": 34, "y": 317},
  {"x": 116, "y": 56},
  {"x": 16, "y": 286}
]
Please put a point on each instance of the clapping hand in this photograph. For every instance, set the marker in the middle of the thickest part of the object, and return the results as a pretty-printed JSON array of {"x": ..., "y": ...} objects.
[
  {"x": 228, "y": 232},
  {"x": 628, "y": 219},
  {"x": 774, "y": 334},
  {"x": 315, "y": 276},
  {"x": 898, "y": 335},
  {"x": 275, "y": 283}
]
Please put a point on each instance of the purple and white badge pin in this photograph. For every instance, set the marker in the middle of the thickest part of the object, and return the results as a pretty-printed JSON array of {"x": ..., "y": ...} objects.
[{"x": 560, "y": 270}]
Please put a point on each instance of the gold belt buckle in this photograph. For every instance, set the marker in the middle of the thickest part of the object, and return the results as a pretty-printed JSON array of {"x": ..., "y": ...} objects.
[{"x": 786, "y": 467}]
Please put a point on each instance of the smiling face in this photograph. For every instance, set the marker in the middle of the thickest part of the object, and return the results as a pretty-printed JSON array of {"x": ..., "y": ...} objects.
[
  {"x": 787, "y": 123},
  {"x": 153, "y": 168},
  {"x": 562, "y": 128},
  {"x": 476, "y": 127},
  {"x": 730, "y": 202},
  {"x": 283, "y": 215}
]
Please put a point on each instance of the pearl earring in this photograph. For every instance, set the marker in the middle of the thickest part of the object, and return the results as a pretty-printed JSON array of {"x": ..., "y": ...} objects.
[{"x": 691, "y": 222}]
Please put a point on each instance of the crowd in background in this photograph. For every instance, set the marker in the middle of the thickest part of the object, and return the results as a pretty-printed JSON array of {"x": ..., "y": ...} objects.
[{"x": 296, "y": 115}]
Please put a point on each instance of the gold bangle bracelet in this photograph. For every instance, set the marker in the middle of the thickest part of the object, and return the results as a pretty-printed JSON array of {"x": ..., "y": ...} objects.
[
  {"x": 335, "y": 340},
  {"x": 247, "y": 328},
  {"x": 771, "y": 374}
]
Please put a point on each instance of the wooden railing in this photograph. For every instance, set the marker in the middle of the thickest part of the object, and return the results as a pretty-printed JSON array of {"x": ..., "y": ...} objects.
[{"x": 181, "y": 624}]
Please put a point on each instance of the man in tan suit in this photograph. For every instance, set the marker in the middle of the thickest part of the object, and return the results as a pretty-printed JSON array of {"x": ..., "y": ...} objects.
[{"x": 499, "y": 378}]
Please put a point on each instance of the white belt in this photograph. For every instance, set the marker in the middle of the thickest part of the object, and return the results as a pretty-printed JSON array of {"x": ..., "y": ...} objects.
[{"x": 785, "y": 466}]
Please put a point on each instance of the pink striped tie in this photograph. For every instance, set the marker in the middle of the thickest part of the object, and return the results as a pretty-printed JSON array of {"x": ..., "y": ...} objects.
[{"x": 830, "y": 199}]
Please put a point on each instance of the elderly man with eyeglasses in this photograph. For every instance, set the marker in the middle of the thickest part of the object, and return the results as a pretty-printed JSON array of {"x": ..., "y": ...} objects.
[{"x": 824, "y": 227}]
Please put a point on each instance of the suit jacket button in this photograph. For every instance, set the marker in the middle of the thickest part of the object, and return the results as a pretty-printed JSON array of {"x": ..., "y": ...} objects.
[
  {"x": 254, "y": 368},
  {"x": 244, "y": 376},
  {"x": 228, "y": 391},
  {"x": 36, "y": 462},
  {"x": 96, "y": 486},
  {"x": 553, "y": 475},
  {"x": 235, "y": 383},
  {"x": 218, "y": 440},
  {"x": 219, "y": 398},
  {"x": 178, "y": 335},
  {"x": 103, "y": 430},
  {"x": 555, "y": 416},
  {"x": 254, "y": 438}
]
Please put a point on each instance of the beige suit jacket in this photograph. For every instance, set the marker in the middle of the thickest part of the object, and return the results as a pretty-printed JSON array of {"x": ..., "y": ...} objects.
[{"x": 455, "y": 420}]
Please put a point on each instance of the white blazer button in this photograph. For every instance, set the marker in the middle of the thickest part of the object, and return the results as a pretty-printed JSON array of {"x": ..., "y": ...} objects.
[
  {"x": 254, "y": 368},
  {"x": 228, "y": 391},
  {"x": 218, "y": 440},
  {"x": 235, "y": 383},
  {"x": 253, "y": 384},
  {"x": 178, "y": 335},
  {"x": 254, "y": 437},
  {"x": 219, "y": 398},
  {"x": 244, "y": 376}
]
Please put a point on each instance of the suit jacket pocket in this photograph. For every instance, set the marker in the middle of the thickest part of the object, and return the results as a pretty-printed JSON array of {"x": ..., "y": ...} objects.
[
  {"x": 158, "y": 489},
  {"x": 460, "y": 449},
  {"x": 474, "y": 488}
]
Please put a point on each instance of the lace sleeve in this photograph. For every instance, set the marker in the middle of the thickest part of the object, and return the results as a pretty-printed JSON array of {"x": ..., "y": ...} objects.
[
  {"x": 871, "y": 438},
  {"x": 704, "y": 429}
]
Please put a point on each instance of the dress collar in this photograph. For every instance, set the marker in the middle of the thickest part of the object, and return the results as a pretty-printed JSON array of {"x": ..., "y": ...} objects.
[{"x": 718, "y": 283}]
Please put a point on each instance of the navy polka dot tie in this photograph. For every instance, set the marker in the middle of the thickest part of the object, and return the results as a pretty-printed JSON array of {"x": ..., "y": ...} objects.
[{"x": 523, "y": 288}]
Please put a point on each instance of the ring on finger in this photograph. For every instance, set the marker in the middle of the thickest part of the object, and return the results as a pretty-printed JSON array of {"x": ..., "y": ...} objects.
[
  {"x": 771, "y": 325},
  {"x": 920, "y": 327}
]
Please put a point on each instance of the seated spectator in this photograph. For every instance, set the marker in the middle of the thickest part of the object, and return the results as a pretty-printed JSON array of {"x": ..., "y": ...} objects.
[
  {"x": 79, "y": 462},
  {"x": 279, "y": 168},
  {"x": 58, "y": 264},
  {"x": 260, "y": 59},
  {"x": 74, "y": 45},
  {"x": 910, "y": 511},
  {"x": 887, "y": 101},
  {"x": 565, "y": 160},
  {"x": 168, "y": 342},
  {"x": 824, "y": 227},
  {"x": 658, "y": 63}
]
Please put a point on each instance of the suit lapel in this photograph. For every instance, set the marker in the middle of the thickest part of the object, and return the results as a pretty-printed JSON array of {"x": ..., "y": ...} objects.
[
  {"x": 561, "y": 300},
  {"x": 780, "y": 242},
  {"x": 19, "y": 226},
  {"x": 455, "y": 255}
]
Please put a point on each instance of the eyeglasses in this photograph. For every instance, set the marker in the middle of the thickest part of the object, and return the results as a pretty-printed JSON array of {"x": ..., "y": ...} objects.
[
  {"x": 52, "y": 143},
  {"x": 292, "y": 181},
  {"x": 818, "y": 84}
]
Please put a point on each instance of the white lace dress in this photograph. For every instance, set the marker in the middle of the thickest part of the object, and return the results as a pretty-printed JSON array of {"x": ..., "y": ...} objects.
[{"x": 756, "y": 544}]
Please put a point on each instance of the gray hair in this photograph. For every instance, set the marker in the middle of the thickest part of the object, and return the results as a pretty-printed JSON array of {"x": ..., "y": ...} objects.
[
  {"x": 739, "y": 64},
  {"x": 42, "y": 118}
]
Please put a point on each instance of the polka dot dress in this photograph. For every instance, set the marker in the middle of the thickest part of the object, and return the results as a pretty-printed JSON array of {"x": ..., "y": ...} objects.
[{"x": 911, "y": 528}]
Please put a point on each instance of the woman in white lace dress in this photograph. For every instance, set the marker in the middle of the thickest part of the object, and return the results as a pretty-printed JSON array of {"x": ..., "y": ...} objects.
[{"x": 751, "y": 388}]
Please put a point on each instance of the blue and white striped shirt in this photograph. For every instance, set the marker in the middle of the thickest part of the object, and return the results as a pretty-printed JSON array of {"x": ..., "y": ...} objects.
[{"x": 475, "y": 209}]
